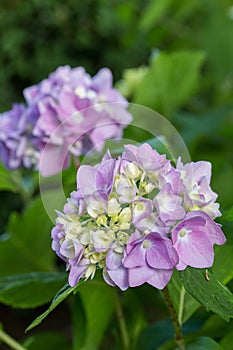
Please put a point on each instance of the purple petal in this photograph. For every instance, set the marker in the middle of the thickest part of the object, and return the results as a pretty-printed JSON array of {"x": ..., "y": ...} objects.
[
  {"x": 102, "y": 80},
  {"x": 161, "y": 254},
  {"x": 76, "y": 272},
  {"x": 139, "y": 275},
  {"x": 195, "y": 250},
  {"x": 113, "y": 260},
  {"x": 53, "y": 160},
  {"x": 181, "y": 266},
  {"x": 104, "y": 178},
  {"x": 119, "y": 277},
  {"x": 160, "y": 278},
  {"x": 212, "y": 229},
  {"x": 107, "y": 278},
  {"x": 136, "y": 257},
  {"x": 86, "y": 179}
]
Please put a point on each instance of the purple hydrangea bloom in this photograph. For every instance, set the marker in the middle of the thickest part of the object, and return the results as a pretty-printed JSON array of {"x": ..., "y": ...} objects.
[
  {"x": 17, "y": 145},
  {"x": 75, "y": 114},
  {"x": 67, "y": 114},
  {"x": 132, "y": 218}
]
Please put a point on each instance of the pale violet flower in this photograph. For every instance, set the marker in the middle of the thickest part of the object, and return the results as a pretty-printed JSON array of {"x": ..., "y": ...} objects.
[
  {"x": 135, "y": 218},
  {"x": 66, "y": 115},
  {"x": 76, "y": 113}
]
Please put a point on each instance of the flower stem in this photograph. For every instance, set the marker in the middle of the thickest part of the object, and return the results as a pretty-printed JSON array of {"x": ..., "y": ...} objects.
[
  {"x": 181, "y": 308},
  {"x": 122, "y": 324},
  {"x": 13, "y": 344},
  {"x": 173, "y": 315}
]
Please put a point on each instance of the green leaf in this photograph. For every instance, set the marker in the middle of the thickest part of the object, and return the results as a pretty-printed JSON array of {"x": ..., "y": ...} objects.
[
  {"x": 155, "y": 335},
  {"x": 30, "y": 290},
  {"x": 62, "y": 294},
  {"x": 6, "y": 183},
  {"x": 152, "y": 14},
  {"x": 26, "y": 246},
  {"x": 215, "y": 327},
  {"x": 210, "y": 293},
  {"x": 98, "y": 301},
  {"x": 47, "y": 340},
  {"x": 227, "y": 341},
  {"x": 170, "y": 82},
  {"x": 135, "y": 317},
  {"x": 185, "y": 305},
  {"x": 227, "y": 215},
  {"x": 131, "y": 78},
  {"x": 223, "y": 262},
  {"x": 204, "y": 343}
]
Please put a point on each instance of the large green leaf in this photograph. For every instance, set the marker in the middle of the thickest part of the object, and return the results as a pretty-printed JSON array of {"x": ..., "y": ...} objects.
[
  {"x": 185, "y": 305},
  {"x": 208, "y": 291},
  {"x": 30, "y": 290},
  {"x": 170, "y": 82},
  {"x": 62, "y": 294},
  {"x": 204, "y": 343},
  {"x": 26, "y": 247},
  {"x": 98, "y": 302}
]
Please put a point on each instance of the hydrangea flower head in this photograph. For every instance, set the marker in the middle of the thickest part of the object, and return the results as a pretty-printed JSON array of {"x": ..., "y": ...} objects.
[
  {"x": 129, "y": 217},
  {"x": 68, "y": 113},
  {"x": 75, "y": 114}
]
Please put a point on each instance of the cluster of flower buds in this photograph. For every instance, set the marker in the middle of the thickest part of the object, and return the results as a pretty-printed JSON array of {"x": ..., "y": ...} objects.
[
  {"x": 66, "y": 114},
  {"x": 137, "y": 218}
]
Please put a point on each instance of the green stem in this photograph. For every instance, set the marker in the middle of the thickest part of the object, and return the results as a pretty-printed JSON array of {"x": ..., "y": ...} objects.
[
  {"x": 122, "y": 324},
  {"x": 173, "y": 315},
  {"x": 13, "y": 344},
  {"x": 181, "y": 309}
]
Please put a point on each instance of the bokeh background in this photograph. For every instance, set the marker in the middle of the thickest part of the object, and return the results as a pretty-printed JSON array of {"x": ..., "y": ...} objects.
[{"x": 174, "y": 56}]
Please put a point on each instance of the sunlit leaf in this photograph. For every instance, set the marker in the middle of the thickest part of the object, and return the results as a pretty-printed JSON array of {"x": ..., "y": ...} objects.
[{"x": 170, "y": 82}]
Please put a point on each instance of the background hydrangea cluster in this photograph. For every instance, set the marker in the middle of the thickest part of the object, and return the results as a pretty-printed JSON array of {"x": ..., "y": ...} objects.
[
  {"x": 138, "y": 217},
  {"x": 68, "y": 113}
]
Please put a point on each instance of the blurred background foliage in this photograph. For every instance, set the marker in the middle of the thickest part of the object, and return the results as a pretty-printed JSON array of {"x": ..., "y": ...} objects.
[{"x": 174, "y": 56}]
